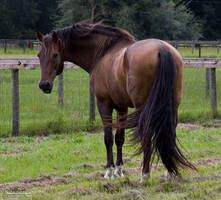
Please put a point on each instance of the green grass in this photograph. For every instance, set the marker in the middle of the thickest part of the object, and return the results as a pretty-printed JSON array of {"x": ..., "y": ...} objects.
[
  {"x": 83, "y": 156},
  {"x": 18, "y": 52},
  {"x": 206, "y": 52}
]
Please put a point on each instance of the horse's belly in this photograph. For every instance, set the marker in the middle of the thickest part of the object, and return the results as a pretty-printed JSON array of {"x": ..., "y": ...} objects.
[{"x": 121, "y": 99}]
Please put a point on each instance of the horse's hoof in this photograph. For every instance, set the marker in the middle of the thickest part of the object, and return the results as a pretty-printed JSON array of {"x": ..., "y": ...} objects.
[
  {"x": 118, "y": 172},
  {"x": 168, "y": 176},
  {"x": 171, "y": 177},
  {"x": 144, "y": 177},
  {"x": 109, "y": 173}
]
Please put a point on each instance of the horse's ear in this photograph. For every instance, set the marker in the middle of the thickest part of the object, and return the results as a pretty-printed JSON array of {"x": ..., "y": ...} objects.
[
  {"x": 54, "y": 36},
  {"x": 39, "y": 36}
]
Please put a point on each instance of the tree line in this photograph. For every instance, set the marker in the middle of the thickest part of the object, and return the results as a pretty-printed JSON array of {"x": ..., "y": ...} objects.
[{"x": 164, "y": 19}]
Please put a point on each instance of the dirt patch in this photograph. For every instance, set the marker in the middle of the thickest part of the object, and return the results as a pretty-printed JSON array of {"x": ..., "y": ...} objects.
[
  {"x": 14, "y": 153},
  {"x": 209, "y": 178},
  {"x": 77, "y": 191},
  {"x": 71, "y": 175},
  {"x": 27, "y": 183},
  {"x": 189, "y": 126},
  {"x": 18, "y": 151},
  {"x": 38, "y": 139},
  {"x": 82, "y": 151},
  {"x": 97, "y": 175},
  {"x": 215, "y": 125},
  {"x": 128, "y": 171},
  {"x": 126, "y": 160},
  {"x": 132, "y": 195},
  {"x": 208, "y": 162}
]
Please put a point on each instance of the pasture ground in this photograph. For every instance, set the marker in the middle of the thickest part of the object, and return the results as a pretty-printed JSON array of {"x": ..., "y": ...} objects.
[{"x": 71, "y": 166}]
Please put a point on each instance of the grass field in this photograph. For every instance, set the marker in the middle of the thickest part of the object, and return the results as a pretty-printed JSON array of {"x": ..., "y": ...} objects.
[
  {"x": 72, "y": 167},
  {"x": 185, "y": 51}
]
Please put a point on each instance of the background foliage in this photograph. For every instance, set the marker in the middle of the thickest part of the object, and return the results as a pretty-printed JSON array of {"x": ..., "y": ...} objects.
[{"x": 164, "y": 19}]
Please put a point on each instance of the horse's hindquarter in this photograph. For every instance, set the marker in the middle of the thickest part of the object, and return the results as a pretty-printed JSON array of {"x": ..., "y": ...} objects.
[
  {"x": 125, "y": 77},
  {"x": 143, "y": 58}
]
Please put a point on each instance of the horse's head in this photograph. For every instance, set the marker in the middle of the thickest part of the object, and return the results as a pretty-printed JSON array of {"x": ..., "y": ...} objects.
[{"x": 51, "y": 60}]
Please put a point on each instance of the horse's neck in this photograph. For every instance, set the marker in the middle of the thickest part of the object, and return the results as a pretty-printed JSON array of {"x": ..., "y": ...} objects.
[
  {"x": 84, "y": 53},
  {"x": 80, "y": 55}
]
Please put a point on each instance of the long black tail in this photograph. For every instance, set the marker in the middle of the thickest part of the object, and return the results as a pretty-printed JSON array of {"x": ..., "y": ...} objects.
[{"x": 156, "y": 123}]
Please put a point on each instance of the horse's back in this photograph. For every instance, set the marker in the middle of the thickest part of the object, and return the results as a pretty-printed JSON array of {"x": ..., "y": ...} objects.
[{"x": 142, "y": 61}]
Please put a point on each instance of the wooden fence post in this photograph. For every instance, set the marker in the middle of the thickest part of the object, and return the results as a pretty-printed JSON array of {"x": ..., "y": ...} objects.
[
  {"x": 199, "y": 50},
  {"x": 5, "y": 46},
  {"x": 92, "y": 104},
  {"x": 208, "y": 81},
  {"x": 213, "y": 96},
  {"x": 193, "y": 46},
  {"x": 207, "y": 88},
  {"x": 15, "y": 102},
  {"x": 61, "y": 89}
]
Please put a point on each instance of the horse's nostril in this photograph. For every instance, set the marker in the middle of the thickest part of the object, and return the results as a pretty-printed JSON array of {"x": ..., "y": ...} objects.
[
  {"x": 40, "y": 85},
  {"x": 45, "y": 86}
]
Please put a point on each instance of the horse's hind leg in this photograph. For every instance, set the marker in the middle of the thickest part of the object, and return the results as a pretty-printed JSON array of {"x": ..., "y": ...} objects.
[
  {"x": 119, "y": 141},
  {"x": 105, "y": 111}
]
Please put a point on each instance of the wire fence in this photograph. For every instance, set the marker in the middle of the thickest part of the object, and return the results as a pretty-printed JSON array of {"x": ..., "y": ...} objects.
[
  {"x": 40, "y": 114},
  {"x": 9, "y": 44}
]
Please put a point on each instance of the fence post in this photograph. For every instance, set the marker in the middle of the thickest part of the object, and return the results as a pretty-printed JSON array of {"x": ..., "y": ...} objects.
[
  {"x": 208, "y": 81},
  {"x": 15, "y": 102},
  {"x": 92, "y": 104},
  {"x": 193, "y": 46},
  {"x": 5, "y": 46},
  {"x": 213, "y": 96},
  {"x": 199, "y": 50},
  {"x": 207, "y": 89},
  {"x": 61, "y": 89}
]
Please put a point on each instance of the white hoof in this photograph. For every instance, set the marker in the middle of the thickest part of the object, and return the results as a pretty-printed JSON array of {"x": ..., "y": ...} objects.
[
  {"x": 168, "y": 175},
  {"x": 118, "y": 172},
  {"x": 144, "y": 177},
  {"x": 109, "y": 173}
]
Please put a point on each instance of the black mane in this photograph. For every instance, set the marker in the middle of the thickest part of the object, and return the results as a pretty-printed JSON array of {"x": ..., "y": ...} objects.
[
  {"x": 114, "y": 36},
  {"x": 77, "y": 31}
]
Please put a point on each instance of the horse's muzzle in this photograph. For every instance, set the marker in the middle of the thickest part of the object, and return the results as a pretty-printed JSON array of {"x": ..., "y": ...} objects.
[{"x": 46, "y": 86}]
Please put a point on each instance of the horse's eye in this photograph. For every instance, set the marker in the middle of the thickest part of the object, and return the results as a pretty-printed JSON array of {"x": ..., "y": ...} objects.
[{"x": 55, "y": 55}]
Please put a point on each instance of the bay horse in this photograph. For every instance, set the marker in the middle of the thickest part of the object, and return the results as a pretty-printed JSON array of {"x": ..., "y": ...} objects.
[{"x": 146, "y": 75}]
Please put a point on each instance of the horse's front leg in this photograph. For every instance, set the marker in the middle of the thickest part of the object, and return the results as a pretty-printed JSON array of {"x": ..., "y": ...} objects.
[
  {"x": 105, "y": 111},
  {"x": 119, "y": 141},
  {"x": 108, "y": 140}
]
